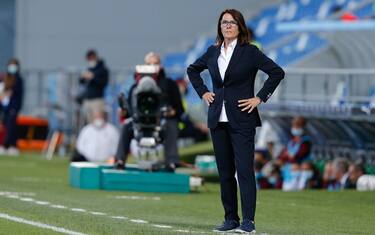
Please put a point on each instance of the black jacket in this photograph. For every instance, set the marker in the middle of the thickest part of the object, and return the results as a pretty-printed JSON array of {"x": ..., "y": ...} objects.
[
  {"x": 170, "y": 95},
  {"x": 16, "y": 99},
  {"x": 238, "y": 83},
  {"x": 96, "y": 86}
]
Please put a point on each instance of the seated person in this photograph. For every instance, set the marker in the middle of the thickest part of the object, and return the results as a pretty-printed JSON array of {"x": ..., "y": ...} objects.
[
  {"x": 310, "y": 176},
  {"x": 275, "y": 179},
  {"x": 336, "y": 174},
  {"x": 356, "y": 170},
  {"x": 298, "y": 149},
  {"x": 328, "y": 175},
  {"x": 97, "y": 141}
]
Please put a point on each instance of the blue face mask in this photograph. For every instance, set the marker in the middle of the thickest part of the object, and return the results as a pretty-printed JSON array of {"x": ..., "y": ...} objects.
[
  {"x": 296, "y": 131},
  {"x": 12, "y": 68},
  {"x": 295, "y": 174},
  {"x": 272, "y": 180}
]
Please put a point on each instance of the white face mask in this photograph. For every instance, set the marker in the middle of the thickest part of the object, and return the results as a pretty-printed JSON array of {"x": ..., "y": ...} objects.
[
  {"x": 296, "y": 131},
  {"x": 12, "y": 68},
  {"x": 91, "y": 64},
  {"x": 98, "y": 123}
]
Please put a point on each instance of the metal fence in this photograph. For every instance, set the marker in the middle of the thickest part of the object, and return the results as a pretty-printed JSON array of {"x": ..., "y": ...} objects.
[{"x": 52, "y": 94}]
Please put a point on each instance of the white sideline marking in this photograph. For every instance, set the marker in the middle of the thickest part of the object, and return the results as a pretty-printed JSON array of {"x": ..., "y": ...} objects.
[
  {"x": 97, "y": 213},
  {"x": 139, "y": 221},
  {"x": 26, "y": 199},
  {"x": 41, "y": 202},
  {"x": 183, "y": 231},
  {"x": 138, "y": 198},
  {"x": 38, "y": 224},
  {"x": 58, "y": 206},
  {"x": 118, "y": 217},
  {"x": 15, "y": 195},
  {"x": 161, "y": 226},
  {"x": 78, "y": 210}
]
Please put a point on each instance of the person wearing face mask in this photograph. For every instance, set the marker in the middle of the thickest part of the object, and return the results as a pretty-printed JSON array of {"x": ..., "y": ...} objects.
[
  {"x": 275, "y": 179},
  {"x": 298, "y": 148},
  {"x": 93, "y": 82},
  {"x": 11, "y": 104},
  {"x": 291, "y": 177},
  {"x": 97, "y": 141},
  {"x": 310, "y": 177},
  {"x": 171, "y": 98}
]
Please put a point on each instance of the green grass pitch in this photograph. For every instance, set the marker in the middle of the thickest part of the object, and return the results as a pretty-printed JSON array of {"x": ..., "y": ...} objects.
[{"x": 37, "y": 190}]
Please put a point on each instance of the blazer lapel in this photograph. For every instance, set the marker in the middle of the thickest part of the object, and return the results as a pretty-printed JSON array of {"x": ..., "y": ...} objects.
[
  {"x": 216, "y": 65},
  {"x": 234, "y": 59}
]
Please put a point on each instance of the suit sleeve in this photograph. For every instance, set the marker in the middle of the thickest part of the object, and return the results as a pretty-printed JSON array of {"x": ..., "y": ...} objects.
[
  {"x": 275, "y": 74},
  {"x": 194, "y": 72}
]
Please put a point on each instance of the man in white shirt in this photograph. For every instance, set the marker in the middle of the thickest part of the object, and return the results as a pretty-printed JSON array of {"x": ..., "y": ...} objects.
[{"x": 97, "y": 142}]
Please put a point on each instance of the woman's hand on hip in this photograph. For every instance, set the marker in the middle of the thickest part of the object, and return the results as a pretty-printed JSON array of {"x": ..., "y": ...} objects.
[
  {"x": 208, "y": 97},
  {"x": 249, "y": 104}
]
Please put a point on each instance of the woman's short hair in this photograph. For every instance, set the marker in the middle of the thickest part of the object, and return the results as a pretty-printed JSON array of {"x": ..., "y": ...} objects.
[{"x": 243, "y": 36}]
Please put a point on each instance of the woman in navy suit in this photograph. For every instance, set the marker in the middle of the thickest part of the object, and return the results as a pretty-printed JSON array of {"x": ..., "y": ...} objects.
[{"x": 232, "y": 114}]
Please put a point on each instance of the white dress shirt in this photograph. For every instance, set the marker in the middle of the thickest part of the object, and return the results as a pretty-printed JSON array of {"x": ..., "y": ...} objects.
[
  {"x": 223, "y": 62},
  {"x": 98, "y": 144}
]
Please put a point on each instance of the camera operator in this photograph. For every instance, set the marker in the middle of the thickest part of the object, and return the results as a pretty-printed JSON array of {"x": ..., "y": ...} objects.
[{"x": 170, "y": 97}]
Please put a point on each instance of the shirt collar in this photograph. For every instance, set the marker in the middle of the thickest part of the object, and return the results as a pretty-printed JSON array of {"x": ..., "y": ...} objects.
[{"x": 231, "y": 45}]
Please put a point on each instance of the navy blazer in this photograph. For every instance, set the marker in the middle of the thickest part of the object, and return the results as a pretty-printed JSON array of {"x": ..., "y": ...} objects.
[{"x": 238, "y": 83}]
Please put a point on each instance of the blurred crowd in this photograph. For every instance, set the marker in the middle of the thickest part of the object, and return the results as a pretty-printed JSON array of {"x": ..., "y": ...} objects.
[
  {"x": 292, "y": 168},
  {"x": 288, "y": 168}
]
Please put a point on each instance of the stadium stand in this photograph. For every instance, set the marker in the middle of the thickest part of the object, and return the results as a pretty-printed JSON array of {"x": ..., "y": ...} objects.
[{"x": 336, "y": 106}]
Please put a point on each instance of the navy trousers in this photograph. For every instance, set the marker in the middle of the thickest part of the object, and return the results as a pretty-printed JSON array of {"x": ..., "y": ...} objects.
[
  {"x": 234, "y": 151},
  {"x": 10, "y": 118}
]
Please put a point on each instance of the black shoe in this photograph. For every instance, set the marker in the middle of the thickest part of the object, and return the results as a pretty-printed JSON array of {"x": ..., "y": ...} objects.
[
  {"x": 246, "y": 227},
  {"x": 227, "y": 226},
  {"x": 170, "y": 168},
  {"x": 119, "y": 165}
]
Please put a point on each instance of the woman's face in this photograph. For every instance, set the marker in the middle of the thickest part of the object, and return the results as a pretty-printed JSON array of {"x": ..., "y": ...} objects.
[{"x": 229, "y": 27}]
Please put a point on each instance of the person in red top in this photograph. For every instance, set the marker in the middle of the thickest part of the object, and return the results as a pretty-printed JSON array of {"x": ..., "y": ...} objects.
[
  {"x": 348, "y": 16},
  {"x": 298, "y": 149}
]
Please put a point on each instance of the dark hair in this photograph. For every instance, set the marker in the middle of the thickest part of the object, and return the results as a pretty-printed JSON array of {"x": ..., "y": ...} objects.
[
  {"x": 359, "y": 167},
  {"x": 91, "y": 53},
  {"x": 10, "y": 79},
  {"x": 251, "y": 34},
  {"x": 14, "y": 61},
  {"x": 243, "y": 36}
]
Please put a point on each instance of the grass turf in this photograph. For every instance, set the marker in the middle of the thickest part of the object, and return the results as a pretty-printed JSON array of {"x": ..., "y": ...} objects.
[{"x": 307, "y": 212}]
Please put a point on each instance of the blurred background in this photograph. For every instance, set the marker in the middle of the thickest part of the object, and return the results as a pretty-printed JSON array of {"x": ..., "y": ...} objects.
[{"x": 325, "y": 46}]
